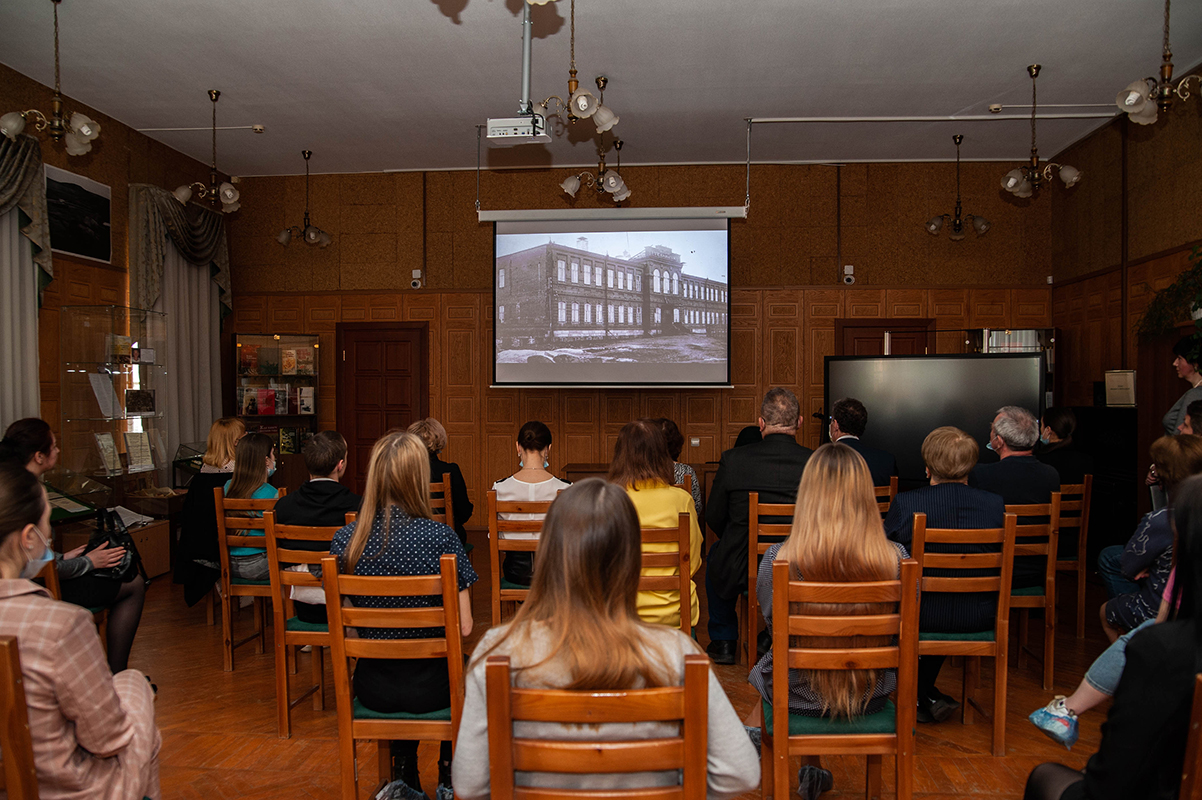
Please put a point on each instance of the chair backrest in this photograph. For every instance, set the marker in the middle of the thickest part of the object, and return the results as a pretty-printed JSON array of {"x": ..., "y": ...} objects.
[
  {"x": 686, "y": 484},
  {"x": 16, "y": 743},
  {"x": 1191, "y": 768},
  {"x": 440, "y": 500},
  {"x": 900, "y": 623},
  {"x": 678, "y": 561},
  {"x": 446, "y": 616},
  {"x": 760, "y": 536},
  {"x": 229, "y": 526},
  {"x": 1002, "y": 560},
  {"x": 687, "y": 705},
  {"x": 1041, "y": 538},
  {"x": 1074, "y": 509},
  {"x": 279, "y": 557},
  {"x": 885, "y": 495},
  {"x": 49, "y": 576}
]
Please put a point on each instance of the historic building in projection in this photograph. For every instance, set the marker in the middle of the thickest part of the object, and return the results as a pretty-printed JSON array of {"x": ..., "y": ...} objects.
[{"x": 553, "y": 293}]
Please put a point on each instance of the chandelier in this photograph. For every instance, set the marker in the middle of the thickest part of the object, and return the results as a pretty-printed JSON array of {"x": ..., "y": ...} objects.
[
  {"x": 581, "y": 103},
  {"x": 225, "y": 193},
  {"x": 310, "y": 233},
  {"x": 1139, "y": 101},
  {"x": 605, "y": 180},
  {"x": 1023, "y": 181},
  {"x": 956, "y": 229},
  {"x": 76, "y": 132}
]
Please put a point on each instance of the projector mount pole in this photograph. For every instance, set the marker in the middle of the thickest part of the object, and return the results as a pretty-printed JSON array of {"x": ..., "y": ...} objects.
[{"x": 524, "y": 106}]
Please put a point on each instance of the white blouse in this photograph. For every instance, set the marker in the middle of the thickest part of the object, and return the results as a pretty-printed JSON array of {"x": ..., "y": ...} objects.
[{"x": 511, "y": 490}]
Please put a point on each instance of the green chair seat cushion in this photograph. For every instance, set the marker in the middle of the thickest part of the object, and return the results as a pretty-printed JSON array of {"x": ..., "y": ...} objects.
[
  {"x": 96, "y": 609},
  {"x": 245, "y": 582},
  {"x": 1030, "y": 591},
  {"x": 883, "y": 721},
  {"x": 511, "y": 585},
  {"x": 468, "y": 547},
  {"x": 297, "y": 624},
  {"x": 979, "y": 636},
  {"x": 359, "y": 711}
]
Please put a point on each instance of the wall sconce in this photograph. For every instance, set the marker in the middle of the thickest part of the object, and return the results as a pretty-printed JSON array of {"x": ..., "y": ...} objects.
[
  {"x": 956, "y": 229},
  {"x": 310, "y": 233},
  {"x": 1023, "y": 181}
]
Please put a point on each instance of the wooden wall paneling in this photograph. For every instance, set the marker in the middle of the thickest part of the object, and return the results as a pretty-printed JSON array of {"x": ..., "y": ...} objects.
[
  {"x": 1030, "y": 308},
  {"x": 617, "y": 408},
  {"x": 865, "y": 304},
  {"x": 949, "y": 307},
  {"x": 371, "y": 308},
  {"x": 703, "y": 421},
  {"x": 458, "y": 327},
  {"x": 742, "y": 402},
  {"x": 822, "y": 308},
  {"x": 989, "y": 308},
  {"x": 423, "y": 307},
  {"x": 581, "y": 437},
  {"x": 285, "y": 313},
  {"x": 906, "y": 303},
  {"x": 784, "y": 356},
  {"x": 250, "y": 313}
]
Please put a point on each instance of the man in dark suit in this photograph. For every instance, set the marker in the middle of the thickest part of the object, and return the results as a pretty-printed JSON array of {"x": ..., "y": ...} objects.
[
  {"x": 849, "y": 418},
  {"x": 771, "y": 467},
  {"x": 319, "y": 502},
  {"x": 1019, "y": 477}
]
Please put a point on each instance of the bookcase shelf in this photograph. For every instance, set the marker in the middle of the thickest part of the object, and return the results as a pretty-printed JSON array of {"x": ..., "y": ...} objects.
[{"x": 277, "y": 372}]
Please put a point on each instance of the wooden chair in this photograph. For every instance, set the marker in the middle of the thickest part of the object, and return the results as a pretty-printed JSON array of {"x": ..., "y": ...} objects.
[
  {"x": 288, "y": 632},
  {"x": 356, "y": 722},
  {"x": 440, "y": 500},
  {"x": 16, "y": 744},
  {"x": 756, "y": 547},
  {"x": 667, "y": 568},
  {"x": 688, "y": 704},
  {"x": 1040, "y": 539},
  {"x": 1191, "y": 768},
  {"x": 232, "y": 587},
  {"x": 1074, "y": 513},
  {"x": 100, "y": 614},
  {"x": 506, "y": 595},
  {"x": 890, "y": 731},
  {"x": 993, "y": 643},
  {"x": 885, "y": 495}
]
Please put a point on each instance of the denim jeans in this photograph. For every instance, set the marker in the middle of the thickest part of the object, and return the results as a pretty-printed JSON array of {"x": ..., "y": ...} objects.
[
  {"x": 1105, "y": 671},
  {"x": 1111, "y": 572},
  {"x": 250, "y": 568}
]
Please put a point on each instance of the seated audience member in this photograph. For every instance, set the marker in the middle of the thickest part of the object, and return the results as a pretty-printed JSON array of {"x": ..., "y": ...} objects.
[
  {"x": 320, "y": 502},
  {"x": 836, "y": 537},
  {"x": 675, "y": 440},
  {"x": 771, "y": 467},
  {"x": 93, "y": 732},
  {"x": 579, "y": 630},
  {"x": 1057, "y": 449},
  {"x": 395, "y": 534},
  {"x": 30, "y": 443},
  {"x": 749, "y": 435},
  {"x": 254, "y": 464},
  {"x": 1020, "y": 478},
  {"x": 197, "y": 564},
  {"x": 530, "y": 484},
  {"x": 1192, "y": 412},
  {"x": 949, "y": 454},
  {"x": 849, "y": 418},
  {"x": 1135, "y": 575},
  {"x": 1143, "y": 741},
  {"x": 642, "y": 466},
  {"x": 430, "y": 431}
]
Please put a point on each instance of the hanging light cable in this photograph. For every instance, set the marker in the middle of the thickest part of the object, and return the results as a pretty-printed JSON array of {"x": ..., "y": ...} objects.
[
  {"x": 956, "y": 228},
  {"x": 310, "y": 233},
  {"x": 1024, "y": 181},
  {"x": 1141, "y": 98},
  {"x": 225, "y": 193}
]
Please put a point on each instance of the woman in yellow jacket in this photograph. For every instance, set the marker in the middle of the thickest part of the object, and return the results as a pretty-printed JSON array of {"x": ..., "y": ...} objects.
[{"x": 642, "y": 465}]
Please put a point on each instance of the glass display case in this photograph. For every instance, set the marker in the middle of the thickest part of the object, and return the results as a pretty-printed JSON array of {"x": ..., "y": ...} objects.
[
  {"x": 113, "y": 397},
  {"x": 189, "y": 458},
  {"x": 276, "y": 389}
]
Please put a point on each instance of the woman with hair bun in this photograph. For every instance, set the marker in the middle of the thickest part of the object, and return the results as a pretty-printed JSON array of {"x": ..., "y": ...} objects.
[
  {"x": 532, "y": 483},
  {"x": 93, "y": 732},
  {"x": 431, "y": 432}
]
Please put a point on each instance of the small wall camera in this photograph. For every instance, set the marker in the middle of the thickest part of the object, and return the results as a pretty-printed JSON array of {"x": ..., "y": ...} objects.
[
  {"x": 849, "y": 279},
  {"x": 849, "y": 274},
  {"x": 416, "y": 283}
]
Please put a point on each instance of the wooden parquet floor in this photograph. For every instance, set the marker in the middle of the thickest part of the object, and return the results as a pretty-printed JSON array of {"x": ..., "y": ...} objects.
[{"x": 219, "y": 728}]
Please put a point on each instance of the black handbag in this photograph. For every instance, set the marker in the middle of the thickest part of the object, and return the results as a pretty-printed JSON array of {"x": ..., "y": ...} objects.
[{"x": 111, "y": 530}]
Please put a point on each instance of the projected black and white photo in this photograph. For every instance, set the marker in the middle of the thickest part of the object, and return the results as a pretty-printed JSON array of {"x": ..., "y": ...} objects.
[{"x": 628, "y": 307}]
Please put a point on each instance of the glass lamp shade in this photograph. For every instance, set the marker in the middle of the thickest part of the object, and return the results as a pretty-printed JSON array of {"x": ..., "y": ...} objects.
[
  {"x": 571, "y": 185},
  {"x": 604, "y": 118},
  {"x": 1025, "y": 189},
  {"x": 1145, "y": 116},
  {"x": 622, "y": 195},
  {"x": 612, "y": 182},
  {"x": 980, "y": 225},
  {"x": 1070, "y": 175},
  {"x": 312, "y": 234},
  {"x": 539, "y": 2},
  {"x": 85, "y": 127},
  {"x": 934, "y": 225},
  {"x": 1132, "y": 99},
  {"x": 183, "y": 194},
  {"x": 284, "y": 237},
  {"x": 583, "y": 103},
  {"x": 228, "y": 194},
  {"x": 1012, "y": 180},
  {"x": 12, "y": 124},
  {"x": 324, "y": 240},
  {"x": 76, "y": 146},
  {"x": 956, "y": 235}
]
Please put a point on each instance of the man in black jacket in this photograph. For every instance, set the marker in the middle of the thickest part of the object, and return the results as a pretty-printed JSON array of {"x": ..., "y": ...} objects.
[
  {"x": 771, "y": 467},
  {"x": 321, "y": 501},
  {"x": 849, "y": 418}
]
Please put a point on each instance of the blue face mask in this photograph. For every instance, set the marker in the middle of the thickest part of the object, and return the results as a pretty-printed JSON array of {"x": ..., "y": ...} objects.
[
  {"x": 34, "y": 565},
  {"x": 988, "y": 445},
  {"x": 271, "y": 470},
  {"x": 1044, "y": 440}
]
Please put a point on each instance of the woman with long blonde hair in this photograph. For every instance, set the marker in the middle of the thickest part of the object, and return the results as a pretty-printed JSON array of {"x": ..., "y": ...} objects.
[
  {"x": 224, "y": 436},
  {"x": 579, "y": 628},
  {"x": 395, "y": 535},
  {"x": 836, "y": 537}
]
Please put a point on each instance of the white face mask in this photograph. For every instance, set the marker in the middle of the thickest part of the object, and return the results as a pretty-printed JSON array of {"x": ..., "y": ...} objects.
[{"x": 34, "y": 565}]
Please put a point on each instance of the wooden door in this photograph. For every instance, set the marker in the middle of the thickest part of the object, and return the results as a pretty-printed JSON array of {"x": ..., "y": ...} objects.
[
  {"x": 383, "y": 383},
  {"x": 866, "y": 337}
]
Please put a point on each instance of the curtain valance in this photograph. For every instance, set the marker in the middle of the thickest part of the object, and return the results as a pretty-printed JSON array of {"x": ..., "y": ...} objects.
[
  {"x": 197, "y": 232},
  {"x": 23, "y": 185}
]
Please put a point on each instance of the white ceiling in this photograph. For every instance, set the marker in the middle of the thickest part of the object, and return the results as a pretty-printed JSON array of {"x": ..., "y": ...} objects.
[{"x": 372, "y": 85}]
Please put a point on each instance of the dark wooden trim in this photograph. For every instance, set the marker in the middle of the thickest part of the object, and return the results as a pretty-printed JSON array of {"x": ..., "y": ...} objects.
[
  {"x": 777, "y": 287},
  {"x": 1172, "y": 251},
  {"x": 880, "y": 322},
  {"x": 1097, "y": 273},
  {"x": 1124, "y": 238}
]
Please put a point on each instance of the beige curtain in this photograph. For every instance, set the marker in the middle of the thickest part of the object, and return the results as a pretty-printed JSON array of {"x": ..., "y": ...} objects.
[{"x": 19, "y": 389}]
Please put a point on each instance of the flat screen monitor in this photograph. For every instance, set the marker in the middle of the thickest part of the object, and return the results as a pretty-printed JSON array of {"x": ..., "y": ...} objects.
[
  {"x": 612, "y": 302},
  {"x": 907, "y": 397}
]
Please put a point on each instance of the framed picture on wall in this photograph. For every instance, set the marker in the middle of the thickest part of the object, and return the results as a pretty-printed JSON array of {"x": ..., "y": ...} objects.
[{"x": 80, "y": 215}]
